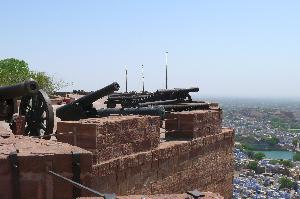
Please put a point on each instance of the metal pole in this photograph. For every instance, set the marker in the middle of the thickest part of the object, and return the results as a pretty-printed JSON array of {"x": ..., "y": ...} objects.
[
  {"x": 126, "y": 77},
  {"x": 143, "y": 78},
  {"x": 166, "y": 53},
  {"x": 76, "y": 184}
]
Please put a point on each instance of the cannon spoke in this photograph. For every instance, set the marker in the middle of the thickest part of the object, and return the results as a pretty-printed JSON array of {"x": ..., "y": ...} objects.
[{"x": 39, "y": 115}]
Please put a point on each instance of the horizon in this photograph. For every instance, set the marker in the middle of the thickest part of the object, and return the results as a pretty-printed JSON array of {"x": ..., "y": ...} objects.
[{"x": 227, "y": 48}]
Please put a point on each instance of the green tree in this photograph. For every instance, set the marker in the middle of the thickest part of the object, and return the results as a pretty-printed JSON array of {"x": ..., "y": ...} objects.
[
  {"x": 286, "y": 183},
  {"x": 295, "y": 142},
  {"x": 46, "y": 82},
  {"x": 286, "y": 163},
  {"x": 247, "y": 147},
  {"x": 250, "y": 154},
  {"x": 259, "y": 156},
  {"x": 13, "y": 71},
  {"x": 271, "y": 140},
  {"x": 253, "y": 165},
  {"x": 296, "y": 157},
  {"x": 279, "y": 123}
]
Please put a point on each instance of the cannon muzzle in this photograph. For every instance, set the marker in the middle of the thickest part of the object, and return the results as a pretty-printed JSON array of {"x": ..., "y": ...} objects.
[
  {"x": 83, "y": 107},
  {"x": 29, "y": 87}
]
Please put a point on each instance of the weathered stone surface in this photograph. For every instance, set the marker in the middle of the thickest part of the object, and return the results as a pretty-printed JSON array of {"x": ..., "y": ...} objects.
[
  {"x": 112, "y": 137},
  {"x": 193, "y": 124},
  {"x": 36, "y": 157},
  {"x": 208, "y": 195},
  {"x": 205, "y": 163},
  {"x": 19, "y": 125}
]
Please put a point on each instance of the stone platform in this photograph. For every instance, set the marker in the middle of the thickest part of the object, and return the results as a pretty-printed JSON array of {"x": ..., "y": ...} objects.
[
  {"x": 111, "y": 137},
  {"x": 36, "y": 157}
]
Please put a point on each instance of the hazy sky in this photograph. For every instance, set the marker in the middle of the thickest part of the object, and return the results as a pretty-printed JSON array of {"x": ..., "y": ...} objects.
[{"x": 227, "y": 48}]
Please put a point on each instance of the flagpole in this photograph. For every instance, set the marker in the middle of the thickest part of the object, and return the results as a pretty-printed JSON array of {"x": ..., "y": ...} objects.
[
  {"x": 126, "y": 77},
  {"x": 166, "y": 54},
  {"x": 143, "y": 78}
]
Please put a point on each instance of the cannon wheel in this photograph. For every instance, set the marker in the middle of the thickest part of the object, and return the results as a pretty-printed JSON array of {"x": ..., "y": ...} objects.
[{"x": 38, "y": 113}]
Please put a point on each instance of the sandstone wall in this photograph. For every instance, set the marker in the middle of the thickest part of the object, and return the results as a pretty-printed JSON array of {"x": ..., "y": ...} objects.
[
  {"x": 111, "y": 137},
  {"x": 36, "y": 157},
  {"x": 193, "y": 124},
  {"x": 205, "y": 163}
]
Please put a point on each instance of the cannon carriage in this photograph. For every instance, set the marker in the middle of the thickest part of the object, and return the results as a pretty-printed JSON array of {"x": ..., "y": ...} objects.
[{"x": 35, "y": 107}]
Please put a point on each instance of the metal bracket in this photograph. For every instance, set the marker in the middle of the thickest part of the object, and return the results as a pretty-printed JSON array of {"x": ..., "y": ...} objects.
[
  {"x": 14, "y": 163},
  {"x": 195, "y": 194},
  {"x": 76, "y": 174},
  {"x": 80, "y": 186}
]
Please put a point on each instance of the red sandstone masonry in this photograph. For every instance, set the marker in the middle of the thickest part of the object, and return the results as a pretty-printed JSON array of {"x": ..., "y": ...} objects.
[
  {"x": 112, "y": 137},
  {"x": 36, "y": 157},
  {"x": 204, "y": 163},
  {"x": 19, "y": 127},
  {"x": 208, "y": 195},
  {"x": 193, "y": 124}
]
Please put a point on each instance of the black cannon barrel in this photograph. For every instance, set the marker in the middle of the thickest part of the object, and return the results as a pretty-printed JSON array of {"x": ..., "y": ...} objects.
[
  {"x": 153, "y": 111},
  {"x": 155, "y": 103},
  {"x": 186, "y": 90},
  {"x": 186, "y": 107},
  {"x": 94, "y": 96},
  {"x": 128, "y": 97},
  {"x": 179, "y": 94},
  {"x": 29, "y": 87},
  {"x": 149, "y": 99},
  {"x": 83, "y": 107}
]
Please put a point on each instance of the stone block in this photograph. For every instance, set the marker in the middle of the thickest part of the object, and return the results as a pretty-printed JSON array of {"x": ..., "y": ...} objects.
[
  {"x": 193, "y": 124},
  {"x": 36, "y": 157},
  {"x": 112, "y": 137},
  {"x": 204, "y": 163}
]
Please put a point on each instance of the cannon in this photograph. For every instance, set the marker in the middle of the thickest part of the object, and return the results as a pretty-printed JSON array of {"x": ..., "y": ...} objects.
[
  {"x": 126, "y": 100},
  {"x": 35, "y": 106},
  {"x": 153, "y": 111},
  {"x": 83, "y": 107},
  {"x": 186, "y": 107},
  {"x": 9, "y": 94}
]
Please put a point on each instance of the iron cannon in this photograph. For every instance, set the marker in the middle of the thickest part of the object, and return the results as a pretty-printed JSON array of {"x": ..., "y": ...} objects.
[
  {"x": 83, "y": 107},
  {"x": 35, "y": 106}
]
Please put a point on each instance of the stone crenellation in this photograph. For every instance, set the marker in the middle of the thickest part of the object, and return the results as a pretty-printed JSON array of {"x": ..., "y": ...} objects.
[{"x": 112, "y": 137}]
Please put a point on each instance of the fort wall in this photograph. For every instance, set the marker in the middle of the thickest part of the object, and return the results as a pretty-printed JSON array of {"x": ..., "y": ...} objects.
[
  {"x": 131, "y": 157},
  {"x": 204, "y": 163},
  {"x": 35, "y": 157}
]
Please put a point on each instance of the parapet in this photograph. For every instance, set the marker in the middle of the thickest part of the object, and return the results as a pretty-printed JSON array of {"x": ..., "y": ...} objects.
[
  {"x": 130, "y": 157},
  {"x": 204, "y": 163},
  {"x": 193, "y": 124},
  {"x": 112, "y": 137},
  {"x": 35, "y": 157}
]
